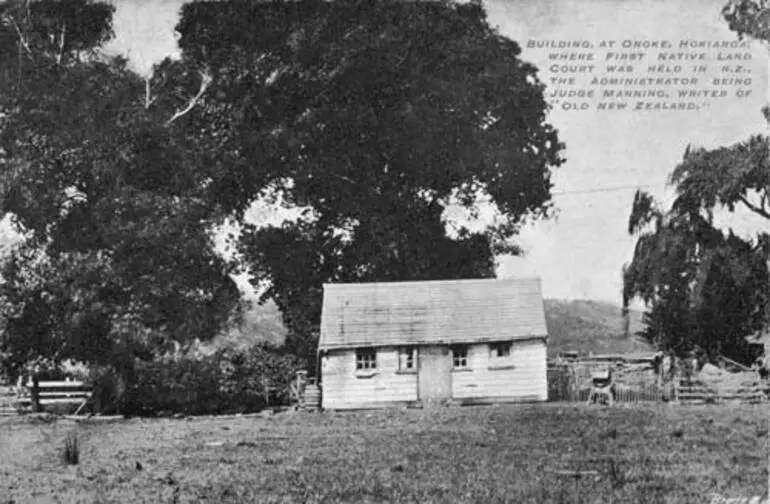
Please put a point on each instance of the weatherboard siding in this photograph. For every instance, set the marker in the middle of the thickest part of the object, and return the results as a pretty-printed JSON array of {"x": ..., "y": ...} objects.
[
  {"x": 521, "y": 376},
  {"x": 344, "y": 389}
]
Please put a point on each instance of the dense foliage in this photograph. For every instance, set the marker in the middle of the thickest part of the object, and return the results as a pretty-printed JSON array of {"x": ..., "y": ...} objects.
[
  {"x": 706, "y": 289},
  {"x": 228, "y": 381},
  {"x": 372, "y": 117},
  {"x": 119, "y": 258}
]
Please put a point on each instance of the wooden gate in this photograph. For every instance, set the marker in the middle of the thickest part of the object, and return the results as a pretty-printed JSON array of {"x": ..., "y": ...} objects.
[{"x": 709, "y": 392}]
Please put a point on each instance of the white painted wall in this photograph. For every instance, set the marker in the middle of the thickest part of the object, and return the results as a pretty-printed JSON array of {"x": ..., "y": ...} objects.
[
  {"x": 343, "y": 389},
  {"x": 524, "y": 375}
]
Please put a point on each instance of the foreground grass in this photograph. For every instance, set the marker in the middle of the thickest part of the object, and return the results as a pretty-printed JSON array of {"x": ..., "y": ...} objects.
[{"x": 486, "y": 454}]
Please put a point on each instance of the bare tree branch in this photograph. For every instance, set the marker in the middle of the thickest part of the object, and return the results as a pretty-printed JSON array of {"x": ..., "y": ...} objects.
[
  {"x": 343, "y": 177},
  {"x": 61, "y": 43},
  {"x": 22, "y": 40},
  {"x": 205, "y": 83},
  {"x": 754, "y": 208},
  {"x": 148, "y": 99},
  {"x": 354, "y": 30}
]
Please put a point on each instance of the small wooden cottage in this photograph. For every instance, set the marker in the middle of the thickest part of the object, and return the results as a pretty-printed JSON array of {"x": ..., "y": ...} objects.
[{"x": 460, "y": 341}]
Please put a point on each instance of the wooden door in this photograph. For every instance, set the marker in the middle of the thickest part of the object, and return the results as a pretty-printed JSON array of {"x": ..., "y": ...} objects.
[{"x": 435, "y": 373}]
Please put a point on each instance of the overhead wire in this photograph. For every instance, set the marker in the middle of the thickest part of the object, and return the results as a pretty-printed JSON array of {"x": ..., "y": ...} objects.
[
  {"x": 585, "y": 191},
  {"x": 606, "y": 189}
]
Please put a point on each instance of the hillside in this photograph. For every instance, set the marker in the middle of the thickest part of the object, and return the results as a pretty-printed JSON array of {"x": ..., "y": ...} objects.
[
  {"x": 590, "y": 326},
  {"x": 582, "y": 325}
]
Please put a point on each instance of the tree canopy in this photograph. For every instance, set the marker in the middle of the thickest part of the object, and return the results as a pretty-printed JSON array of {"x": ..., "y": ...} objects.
[
  {"x": 119, "y": 258},
  {"x": 372, "y": 118},
  {"x": 705, "y": 289}
]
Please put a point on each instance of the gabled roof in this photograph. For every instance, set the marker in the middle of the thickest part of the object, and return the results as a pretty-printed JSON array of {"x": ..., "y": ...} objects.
[{"x": 413, "y": 313}]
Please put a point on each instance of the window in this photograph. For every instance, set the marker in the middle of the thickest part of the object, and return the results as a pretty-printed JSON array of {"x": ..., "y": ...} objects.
[
  {"x": 460, "y": 356},
  {"x": 499, "y": 355},
  {"x": 500, "y": 349},
  {"x": 407, "y": 359},
  {"x": 366, "y": 359}
]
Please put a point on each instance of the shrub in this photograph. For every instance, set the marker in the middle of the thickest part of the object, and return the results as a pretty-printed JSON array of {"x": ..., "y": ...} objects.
[
  {"x": 71, "y": 452},
  {"x": 228, "y": 381},
  {"x": 174, "y": 385},
  {"x": 256, "y": 376},
  {"x": 108, "y": 390}
]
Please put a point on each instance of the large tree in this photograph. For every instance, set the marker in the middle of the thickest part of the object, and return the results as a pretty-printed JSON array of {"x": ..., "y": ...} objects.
[
  {"x": 705, "y": 288},
  {"x": 373, "y": 117},
  {"x": 118, "y": 259}
]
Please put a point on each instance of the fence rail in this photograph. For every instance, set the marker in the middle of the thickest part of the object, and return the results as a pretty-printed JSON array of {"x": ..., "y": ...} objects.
[
  {"x": 564, "y": 384},
  {"x": 50, "y": 393},
  {"x": 569, "y": 383},
  {"x": 622, "y": 393},
  {"x": 699, "y": 392}
]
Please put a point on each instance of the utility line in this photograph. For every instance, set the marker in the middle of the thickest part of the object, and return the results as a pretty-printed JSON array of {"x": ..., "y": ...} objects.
[
  {"x": 606, "y": 189},
  {"x": 585, "y": 191}
]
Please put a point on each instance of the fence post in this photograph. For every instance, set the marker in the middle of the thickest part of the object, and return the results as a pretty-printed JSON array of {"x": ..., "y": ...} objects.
[
  {"x": 675, "y": 389},
  {"x": 35, "y": 392}
]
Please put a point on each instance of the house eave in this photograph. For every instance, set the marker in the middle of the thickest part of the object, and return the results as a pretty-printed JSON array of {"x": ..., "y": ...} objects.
[{"x": 476, "y": 341}]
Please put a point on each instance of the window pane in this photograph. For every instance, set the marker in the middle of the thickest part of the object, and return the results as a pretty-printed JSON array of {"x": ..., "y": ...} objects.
[
  {"x": 366, "y": 359},
  {"x": 406, "y": 357},
  {"x": 460, "y": 356},
  {"x": 501, "y": 349}
]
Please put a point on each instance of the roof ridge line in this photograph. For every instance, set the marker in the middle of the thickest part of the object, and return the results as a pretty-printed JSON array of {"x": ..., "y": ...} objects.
[{"x": 448, "y": 281}]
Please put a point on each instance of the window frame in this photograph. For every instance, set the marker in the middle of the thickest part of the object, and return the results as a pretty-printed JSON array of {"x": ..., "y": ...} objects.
[
  {"x": 500, "y": 349},
  {"x": 407, "y": 355},
  {"x": 500, "y": 355},
  {"x": 459, "y": 360},
  {"x": 366, "y": 361}
]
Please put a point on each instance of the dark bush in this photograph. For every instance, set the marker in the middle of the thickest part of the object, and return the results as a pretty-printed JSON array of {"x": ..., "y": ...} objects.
[
  {"x": 108, "y": 390},
  {"x": 71, "y": 453},
  {"x": 229, "y": 381}
]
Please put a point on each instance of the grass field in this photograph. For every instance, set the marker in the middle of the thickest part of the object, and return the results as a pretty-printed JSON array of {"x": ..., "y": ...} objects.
[{"x": 640, "y": 454}]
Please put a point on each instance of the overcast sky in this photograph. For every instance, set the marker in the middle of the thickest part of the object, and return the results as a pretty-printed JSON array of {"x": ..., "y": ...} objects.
[{"x": 580, "y": 254}]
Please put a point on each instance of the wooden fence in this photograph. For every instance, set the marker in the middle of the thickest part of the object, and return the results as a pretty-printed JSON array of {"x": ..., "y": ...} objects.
[
  {"x": 48, "y": 394},
  {"x": 569, "y": 383},
  {"x": 7, "y": 400},
  {"x": 572, "y": 383},
  {"x": 699, "y": 392},
  {"x": 637, "y": 378},
  {"x": 562, "y": 388}
]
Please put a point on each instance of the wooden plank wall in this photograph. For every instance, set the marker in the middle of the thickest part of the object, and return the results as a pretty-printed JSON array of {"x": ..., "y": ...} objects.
[{"x": 522, "y": 375}]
